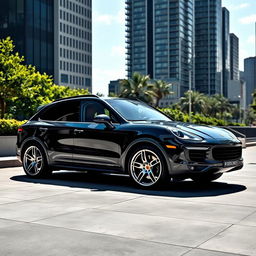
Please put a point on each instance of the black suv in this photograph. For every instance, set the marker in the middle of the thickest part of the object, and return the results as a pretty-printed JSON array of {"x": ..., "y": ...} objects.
[{"x": 124, "y": 136}]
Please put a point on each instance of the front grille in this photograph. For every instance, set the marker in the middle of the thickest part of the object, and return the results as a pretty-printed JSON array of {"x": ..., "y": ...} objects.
[
  {"x": 197, "y": 155},
  {"x": 227, "y": 153}
]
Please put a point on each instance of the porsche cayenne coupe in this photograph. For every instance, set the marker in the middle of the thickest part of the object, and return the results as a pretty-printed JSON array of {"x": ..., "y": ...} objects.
[{"x": 124, "y": 136}]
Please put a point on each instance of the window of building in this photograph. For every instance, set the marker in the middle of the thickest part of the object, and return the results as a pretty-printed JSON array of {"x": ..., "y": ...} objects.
[{"x": 64, "y": 78}]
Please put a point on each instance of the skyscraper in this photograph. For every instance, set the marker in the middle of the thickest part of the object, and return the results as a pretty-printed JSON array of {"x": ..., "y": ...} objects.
[
  {"x": 234, "y": 57},
  {"x": 29, "y": 23},
  {"x": 225, "y": 51},
  {"x": 55, "y": 36},
  {"x": 250, "y": 77},
  {"x": 208, "y": 46},
  {"x": 73, "y": 43},
  {"x": 159, "y": 40}
]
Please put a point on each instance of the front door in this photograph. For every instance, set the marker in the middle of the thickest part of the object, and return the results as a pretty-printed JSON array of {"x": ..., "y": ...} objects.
[{"x": 94, "y": 144}]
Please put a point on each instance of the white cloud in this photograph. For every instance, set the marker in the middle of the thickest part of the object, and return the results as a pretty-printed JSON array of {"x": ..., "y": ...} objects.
[
  {"x": 243, "y": 54},
  {"x": 233, "y": 7},
  {"x": 118, "y": 51},
  {"x": 249, "y": 19},
  {"x": 251, "y": 39},
  {"x": 102, "y": 77},
  {"x": 103, "y": 18},
  {"x": 109, "y": 19},
  {"x": 242, "y": 6},
  {"x": 121, "y": 17}
]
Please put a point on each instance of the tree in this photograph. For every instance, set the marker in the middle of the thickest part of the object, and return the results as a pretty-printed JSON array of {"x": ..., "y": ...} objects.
[
  {"x": 160, "y": 89},
  {"x": 198, "y": 102},
  {"x": 22, "y": 88},
  {"x": 12, "y": 73},
  {"x": 137, "y": 87},
  {"x": 253, "y": 105},
  {"x": 39, "y": 90},
  {"x": 219, "y": 107}
]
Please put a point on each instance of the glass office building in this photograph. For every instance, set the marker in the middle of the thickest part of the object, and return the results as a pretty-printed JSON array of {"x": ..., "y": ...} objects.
[
  {"x": 250, "y": 78},
  {"x": 73, "y": 43},
  {"x": 53, "y": 35},
  {"x": 234, "y": 57},
  {"x": 208, "y": 46},
  {"x": 225, "y": 51},
  {"x": 29, "y": 23},
  {"x": 159, "y": 39}
]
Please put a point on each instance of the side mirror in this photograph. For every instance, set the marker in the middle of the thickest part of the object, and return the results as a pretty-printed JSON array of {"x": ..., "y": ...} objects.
[{"x": 104, "y": 119}]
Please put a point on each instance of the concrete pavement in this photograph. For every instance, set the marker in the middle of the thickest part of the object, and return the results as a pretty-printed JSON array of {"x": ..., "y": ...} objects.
[{"x": 82, "y": 214}]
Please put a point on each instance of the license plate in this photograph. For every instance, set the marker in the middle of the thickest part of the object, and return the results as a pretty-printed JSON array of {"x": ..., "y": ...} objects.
[{"x": 231, "y": 163}]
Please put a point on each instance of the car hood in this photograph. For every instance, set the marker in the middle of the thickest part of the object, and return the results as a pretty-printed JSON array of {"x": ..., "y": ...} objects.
[{"x": 208, "y": 133}]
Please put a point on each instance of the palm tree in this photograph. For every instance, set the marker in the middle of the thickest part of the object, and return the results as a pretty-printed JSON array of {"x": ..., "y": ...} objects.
[
  {"x": 198, "y": 102},
  {"x": 253, "y": 105},
  {"x": 136, "y": 87},
  {"x": 219, "y": 106},
  {"x": 159, "y": 90}
]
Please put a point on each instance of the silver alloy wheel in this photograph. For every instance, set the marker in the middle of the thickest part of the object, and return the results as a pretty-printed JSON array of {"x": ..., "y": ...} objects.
[
  {"x": 146, "y": 167},
  {"x": 32, "y": 160}
]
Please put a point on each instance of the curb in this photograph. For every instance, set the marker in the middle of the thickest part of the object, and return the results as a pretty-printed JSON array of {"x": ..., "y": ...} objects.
[
  {"x": 10, "y": 161},
  {"x": 250, "y": 144}
]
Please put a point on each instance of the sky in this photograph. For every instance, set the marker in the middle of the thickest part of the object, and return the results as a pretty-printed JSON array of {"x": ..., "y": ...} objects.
[{"x": 109, "y": 37}]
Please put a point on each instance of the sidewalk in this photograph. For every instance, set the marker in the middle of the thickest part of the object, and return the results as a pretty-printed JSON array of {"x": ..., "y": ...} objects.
[
  {"x": 74, "y": 213},
  {"x": 9, "y": 161}
]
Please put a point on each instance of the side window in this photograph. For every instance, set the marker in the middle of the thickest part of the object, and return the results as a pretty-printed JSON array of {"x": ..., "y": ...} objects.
[
  {"x": 64, "y": 111},
  {"x": 90, "y": 109}
]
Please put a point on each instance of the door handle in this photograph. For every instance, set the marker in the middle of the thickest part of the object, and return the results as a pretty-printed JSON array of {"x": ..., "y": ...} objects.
[
  {"x": 43, "y": 129},
  {"x": 78, "y": 131}
]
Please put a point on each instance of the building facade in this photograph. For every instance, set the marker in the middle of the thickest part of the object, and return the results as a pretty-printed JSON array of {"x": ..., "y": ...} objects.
[
  {"x": 30, "y": 25},
  {"x": 234, "y": 57},
  {"x": 250, "y": 77},
  {"x": 73, "y": 43},
  {"x": 208, "y": 46},
  {"x": 160, "y": 35},
  {"x": 225, "y": 51},
  {"x": 54, "y": 36},
  {"x": 114, "y": 87}
]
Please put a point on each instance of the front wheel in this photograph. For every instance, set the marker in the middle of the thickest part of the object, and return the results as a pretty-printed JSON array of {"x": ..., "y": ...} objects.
[
  {"x": 147, "y": 167},
  {"x": 34, "y": 161}
]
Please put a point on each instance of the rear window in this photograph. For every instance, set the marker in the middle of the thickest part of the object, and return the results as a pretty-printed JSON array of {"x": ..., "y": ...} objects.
[{"x": 63, "y": 111}]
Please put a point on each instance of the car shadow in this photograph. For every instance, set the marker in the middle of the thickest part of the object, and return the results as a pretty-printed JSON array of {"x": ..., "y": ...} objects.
[{"x": 122, "y": 183}]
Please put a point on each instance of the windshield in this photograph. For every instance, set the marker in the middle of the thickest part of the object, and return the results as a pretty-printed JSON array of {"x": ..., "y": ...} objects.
[{"x": 133, "y": 110}]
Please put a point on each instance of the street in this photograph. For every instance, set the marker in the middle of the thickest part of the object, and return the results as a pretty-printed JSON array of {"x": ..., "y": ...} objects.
[{"x": 81, "y": 214}]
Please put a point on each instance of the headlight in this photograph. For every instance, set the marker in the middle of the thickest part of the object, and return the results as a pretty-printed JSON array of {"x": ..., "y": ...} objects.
[{"x": 185, "y": 135}]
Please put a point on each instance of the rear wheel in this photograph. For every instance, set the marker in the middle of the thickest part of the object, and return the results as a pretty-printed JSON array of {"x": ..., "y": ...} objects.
[
  {"x": 34, "y": 161},
  {"x": 206, "y": 178},
  {"x": 147, "y": 167}
]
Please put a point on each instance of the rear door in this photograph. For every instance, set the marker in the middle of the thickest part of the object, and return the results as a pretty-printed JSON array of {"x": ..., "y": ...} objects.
[{"x": 57, "y": 130}]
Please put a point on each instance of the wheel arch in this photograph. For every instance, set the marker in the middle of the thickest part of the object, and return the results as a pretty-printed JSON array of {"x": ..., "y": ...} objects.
[
  {"x": 30, "y": 140},
  {"x": 142, "y": 141}
]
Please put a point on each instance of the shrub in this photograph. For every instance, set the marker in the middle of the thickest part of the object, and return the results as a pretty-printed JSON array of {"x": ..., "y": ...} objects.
[
  {"x": 178, "y": 115},
  {"x": 9, "y": 126}
]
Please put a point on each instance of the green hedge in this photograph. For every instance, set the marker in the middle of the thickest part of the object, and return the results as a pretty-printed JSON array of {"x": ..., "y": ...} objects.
[
  {"x": 9, "y": 126},
  {"x": 196, "y": 118}
]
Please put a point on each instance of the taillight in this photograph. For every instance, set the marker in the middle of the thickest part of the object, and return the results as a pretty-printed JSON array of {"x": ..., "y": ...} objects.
[{"x": 20, "y": 129}]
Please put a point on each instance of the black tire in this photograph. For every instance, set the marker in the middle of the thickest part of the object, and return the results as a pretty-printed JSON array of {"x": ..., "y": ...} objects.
[
  {"x": 159, "y": 172},
  {"x": 32, "y": 166},
  {"x": 206, "y": 177}
]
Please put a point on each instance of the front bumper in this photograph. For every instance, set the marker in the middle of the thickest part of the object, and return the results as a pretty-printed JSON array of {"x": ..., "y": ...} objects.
[
  {"x": 182, "y": 164},
  {"x": 216, "y": 167}
]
